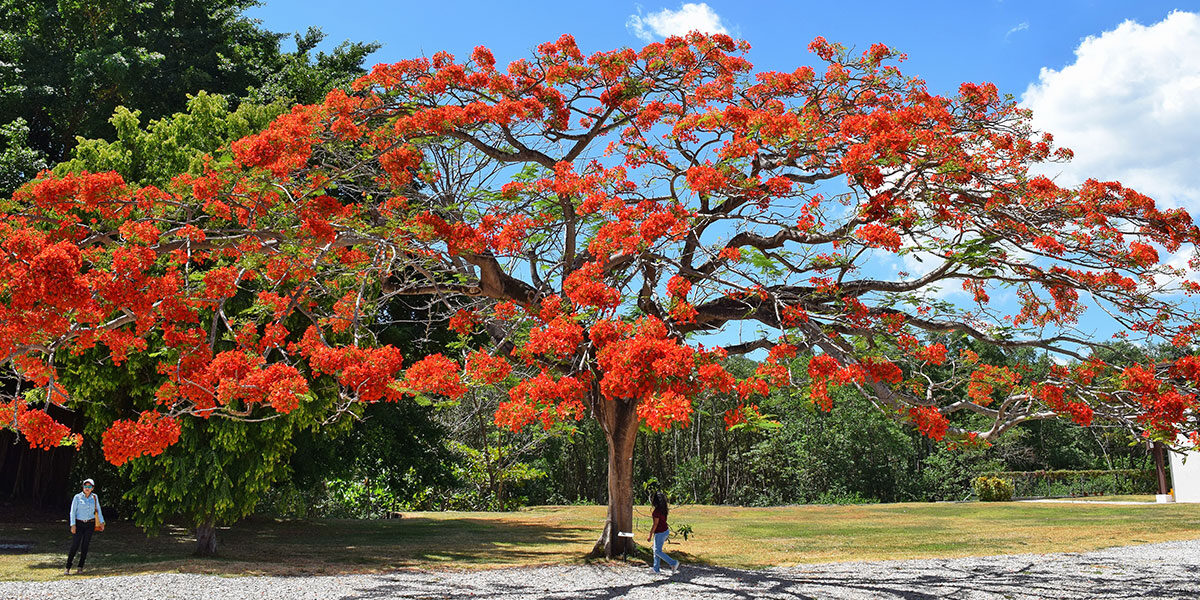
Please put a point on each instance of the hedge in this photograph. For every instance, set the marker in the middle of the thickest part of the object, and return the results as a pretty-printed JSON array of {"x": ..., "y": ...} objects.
[{"x": 1057, "y": 484}]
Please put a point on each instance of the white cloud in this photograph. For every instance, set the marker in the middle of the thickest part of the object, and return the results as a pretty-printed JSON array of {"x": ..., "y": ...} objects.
[
  {"x": 1022, "y": 26},
  {"x": 916, "y": 264},
  {"x": 1129, "y": 106},
  {"x": 666, "y": 22},
  {"x": 1182, "y": 259}
]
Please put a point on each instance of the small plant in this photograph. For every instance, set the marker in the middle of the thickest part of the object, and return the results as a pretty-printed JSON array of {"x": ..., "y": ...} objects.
[
  {"x": 683, "y": 529},
  {"x": 993, "y": 489},
  {"x": 650, "y": 486}
]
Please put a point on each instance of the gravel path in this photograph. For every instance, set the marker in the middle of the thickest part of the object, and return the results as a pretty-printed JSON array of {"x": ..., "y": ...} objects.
[{"x": 1167, "y": 570}]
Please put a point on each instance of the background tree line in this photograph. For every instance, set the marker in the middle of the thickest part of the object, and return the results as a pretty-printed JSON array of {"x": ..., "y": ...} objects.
[{"x": 851, "y": 454}]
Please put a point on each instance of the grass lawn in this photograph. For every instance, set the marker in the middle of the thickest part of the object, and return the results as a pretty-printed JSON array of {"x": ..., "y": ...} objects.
[
  {"x": 726, "y": 536},
  {"x": 1116, "y": 498}
]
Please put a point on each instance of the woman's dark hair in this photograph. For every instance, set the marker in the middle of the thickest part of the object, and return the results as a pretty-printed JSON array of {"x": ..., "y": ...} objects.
[{"x": 660, "y": 503}]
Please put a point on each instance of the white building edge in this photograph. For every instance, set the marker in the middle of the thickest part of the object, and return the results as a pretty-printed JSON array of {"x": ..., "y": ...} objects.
[{"x": 1185, "y": 476}]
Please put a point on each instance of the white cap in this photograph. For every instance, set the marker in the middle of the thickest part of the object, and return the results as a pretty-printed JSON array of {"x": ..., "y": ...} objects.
[{"x": 87, "y": 481}]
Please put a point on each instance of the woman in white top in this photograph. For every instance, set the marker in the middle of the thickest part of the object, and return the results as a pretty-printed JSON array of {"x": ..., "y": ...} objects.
[{"x": 86, "y": 517}]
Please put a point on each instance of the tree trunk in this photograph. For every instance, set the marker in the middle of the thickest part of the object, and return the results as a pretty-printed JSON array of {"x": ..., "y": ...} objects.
[
  {"x": 619, "y": 420},
  {"x": 39, "y": 475},
  {"x": 206, "y": 539},
  {"x": 1160, "y": 467},
  {"x": 18, "y": 481}
]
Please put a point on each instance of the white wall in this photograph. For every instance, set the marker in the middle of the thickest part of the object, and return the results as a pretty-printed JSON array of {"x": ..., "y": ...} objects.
[{"x": 1186, "y": 476}]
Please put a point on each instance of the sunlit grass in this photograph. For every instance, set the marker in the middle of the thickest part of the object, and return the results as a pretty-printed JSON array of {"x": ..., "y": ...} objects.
[
  {"x": 726, "y": 536},
  {"x": 1117, "y": 498}
]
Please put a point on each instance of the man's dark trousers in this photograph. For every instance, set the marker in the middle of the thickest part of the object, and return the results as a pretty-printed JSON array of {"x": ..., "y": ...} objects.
[{"x": 80, "y": 541}]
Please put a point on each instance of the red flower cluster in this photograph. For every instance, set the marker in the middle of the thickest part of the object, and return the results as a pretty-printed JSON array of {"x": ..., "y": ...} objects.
[
  {"x": 823, "y": 371},
  {"x": 934, "y": 354},
  {"x": 586, "y": 287},
  {"x": 704, "y": 179},
  {"x": 781, "y": 351},
  {"x": 1187, "y": 368},
  {"x": 148, "y": 436},
  {"x": 793, "y": 315},
  {"x": 1052, "y": 395},
  {"x": 715, "y": 378},
  {"x": 464, "y": 322},
  {"x": 743, "y": 413},
  {"x": 282, "y": 147},
  {"x": 752, "y": 387},
  {"x": 882, "y": 370},
  {"x": 646, "y": 363},
  {"x": 39, "y": 428},
  {"x": 487, "y": 369},
  {"x": 369, "y": 373},
  {"x": 678, "y": 287},
  {"x": 660, "y": 411},
  {"x": 879, "y": 236},
  {"x": 559, "y": 338},
  {"x": 1165, "y": 412},
  {"x": 929, "y": 421},
  {"x": 1142, "y": 254},
  {"x": 236, "y": 376},
  {"x": 1049, "y": 245},
  {"x": 436, "y": 374},
  {"x": 544, "y": 399},
  {"x": 986, "y": 379}
]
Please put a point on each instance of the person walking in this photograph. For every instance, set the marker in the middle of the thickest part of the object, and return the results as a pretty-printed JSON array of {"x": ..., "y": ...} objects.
[
  {"x": 660, "y": 531},
  {"x": 86, "y": 517}
]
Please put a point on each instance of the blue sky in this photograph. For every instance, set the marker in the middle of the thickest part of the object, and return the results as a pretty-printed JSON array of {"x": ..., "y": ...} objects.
[{"x": 1005, "y": 42}]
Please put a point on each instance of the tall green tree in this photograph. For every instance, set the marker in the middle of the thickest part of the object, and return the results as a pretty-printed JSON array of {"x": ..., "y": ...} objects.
[
  {"x": 66, "y": 65},
  {"x": 18, "y": 162},
  {"x": 153, "y": 153}
]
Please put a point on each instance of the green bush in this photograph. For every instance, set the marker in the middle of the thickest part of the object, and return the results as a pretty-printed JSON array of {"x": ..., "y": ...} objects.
[
  {"x": 684, "y": 529},
  {"x": 993, "y": 489}
]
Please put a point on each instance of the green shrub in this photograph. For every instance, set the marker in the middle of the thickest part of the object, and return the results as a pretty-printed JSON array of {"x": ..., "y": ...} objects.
[
  {"x": 993, "y": 489},
  {"x": 683, "y": 529}
]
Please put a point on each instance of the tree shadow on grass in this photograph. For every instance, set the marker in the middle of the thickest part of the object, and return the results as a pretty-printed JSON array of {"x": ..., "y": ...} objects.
[
  {"x": 413, "y": 541},
  {"x": 282, "y": 547},
  {"x": 734, "y": 584}
]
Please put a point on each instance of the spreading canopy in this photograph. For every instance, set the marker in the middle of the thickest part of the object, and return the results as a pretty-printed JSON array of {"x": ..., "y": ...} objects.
[{"x": 591, "y": 215}]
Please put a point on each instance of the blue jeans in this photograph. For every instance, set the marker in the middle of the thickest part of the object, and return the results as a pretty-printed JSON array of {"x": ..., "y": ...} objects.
[{"x": 659, "y": 540}]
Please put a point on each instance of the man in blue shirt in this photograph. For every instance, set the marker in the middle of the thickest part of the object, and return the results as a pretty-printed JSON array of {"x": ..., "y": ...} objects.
[{"x": 85, "y": 513}]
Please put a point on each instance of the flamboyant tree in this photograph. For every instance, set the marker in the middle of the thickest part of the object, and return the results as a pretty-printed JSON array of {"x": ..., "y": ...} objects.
[{"x": 592, "y": 215}]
